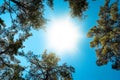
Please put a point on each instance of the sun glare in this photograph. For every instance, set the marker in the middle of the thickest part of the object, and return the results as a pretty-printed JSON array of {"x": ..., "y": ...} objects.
[{"x": 62, "y": 35}]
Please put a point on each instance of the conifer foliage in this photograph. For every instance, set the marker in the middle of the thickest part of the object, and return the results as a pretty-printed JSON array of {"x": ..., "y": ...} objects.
[
  {"x": 106, "y": 35},
  {"x": 78, "y": 7},
  {"x": 17, "y": 19},
  {"x": 46, "y": 67}
]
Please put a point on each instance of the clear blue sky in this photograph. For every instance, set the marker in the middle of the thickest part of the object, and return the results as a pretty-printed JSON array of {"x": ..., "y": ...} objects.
[{"x": 84, "y": 61}]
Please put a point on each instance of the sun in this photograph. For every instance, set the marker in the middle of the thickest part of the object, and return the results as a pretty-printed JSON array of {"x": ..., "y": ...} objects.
[{"x": 62, "y": 35}]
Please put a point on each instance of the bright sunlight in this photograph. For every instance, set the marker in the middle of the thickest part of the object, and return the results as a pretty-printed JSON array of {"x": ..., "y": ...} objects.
[{"x": 62, "y": 35}]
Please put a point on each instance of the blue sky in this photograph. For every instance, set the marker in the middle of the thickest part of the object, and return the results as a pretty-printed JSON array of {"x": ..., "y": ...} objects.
[{"x": 84, "y": 60}]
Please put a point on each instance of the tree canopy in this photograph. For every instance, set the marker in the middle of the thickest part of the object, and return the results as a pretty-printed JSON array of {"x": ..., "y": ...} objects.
[
  {"x": 78, "y": 7},
  {"x": 47, "y": 68},
  {"x": 26, "y": 15},
  {"x": 106, "y": 35}
]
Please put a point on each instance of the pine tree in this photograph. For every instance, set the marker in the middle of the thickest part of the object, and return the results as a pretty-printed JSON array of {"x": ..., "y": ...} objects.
[
  {"x": 106, "y": 35},
  {"x": 46, "y": 67},
  {"x": 78, "y": 7}
]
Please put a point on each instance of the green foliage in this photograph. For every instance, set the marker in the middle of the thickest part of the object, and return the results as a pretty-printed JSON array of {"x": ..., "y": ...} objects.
[
  {"x": 24, "y": 12},
  {"x": 47, "y": 68},
  {"x": 50, "y": 3},
  {"x": 106, "y": 35},
  {"x": 2, "y": 23},
  {"x": 24, "y": 16},
  {"x": 78, "y": 7},
  {"x": 114, "y": 11},
  {"x": 9, "y": 48},
  {"x": 29, "y": 14},
  {"x": 50, "y": 59}
]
